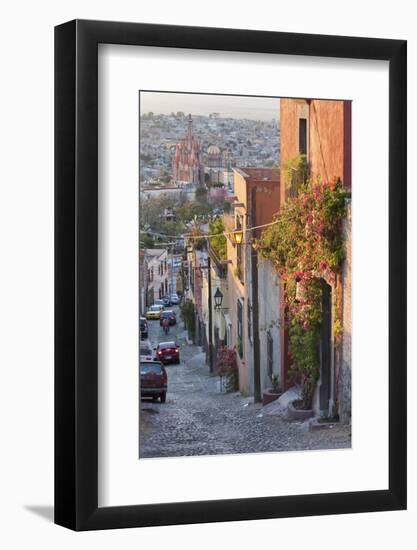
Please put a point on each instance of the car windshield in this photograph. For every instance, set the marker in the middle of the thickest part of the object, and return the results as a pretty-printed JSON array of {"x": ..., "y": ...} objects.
[
  {"x": 155, "y": 308},
  {"x": 145, "y": 350},
  {"x": 168, "y": 313},
  {"x": 150, "y": 367},
  {"x": 164, "y": 345}
]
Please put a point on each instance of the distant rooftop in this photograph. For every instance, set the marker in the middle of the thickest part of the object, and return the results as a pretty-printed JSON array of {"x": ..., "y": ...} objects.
[
  {"x": 259, "y": 174},
  {"x": 154, "y": 251}
]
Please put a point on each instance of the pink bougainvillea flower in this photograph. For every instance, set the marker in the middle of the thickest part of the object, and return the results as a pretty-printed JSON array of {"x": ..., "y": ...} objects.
[
  {"x": 304, "y": 199},
  {"x": 323, "y": 265}
]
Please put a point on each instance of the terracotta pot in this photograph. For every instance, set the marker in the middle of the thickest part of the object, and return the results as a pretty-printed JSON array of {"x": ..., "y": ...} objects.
[
  {"x": 299, "y": 414},
  {"x": 268, "y": 396}
]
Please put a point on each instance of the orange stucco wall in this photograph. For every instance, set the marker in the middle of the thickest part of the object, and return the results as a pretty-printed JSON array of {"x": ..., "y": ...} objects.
[{"x": 328, "y": 137}]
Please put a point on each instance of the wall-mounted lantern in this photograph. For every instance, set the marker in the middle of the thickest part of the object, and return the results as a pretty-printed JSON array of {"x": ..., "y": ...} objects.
[
  {"x": 237, "y": 236},
  {"x": 218, "y": 298}
]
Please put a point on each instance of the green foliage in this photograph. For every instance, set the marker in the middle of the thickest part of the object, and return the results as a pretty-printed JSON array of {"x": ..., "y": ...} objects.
[
  {"x": 306, "y": 245},
  {"x": 151, "y": 210},
  {"x": 187, "y": 312},
  {"x": 296, "y": 172},
  {"x": 219, "y": 243},
  {"x": 201, "y": 195},
  {"x": 146, "y": 241},
  {"x": 171, "y": 227},
  {"x": 275, "y": 385},
  {"x": 189, "y": 210}
]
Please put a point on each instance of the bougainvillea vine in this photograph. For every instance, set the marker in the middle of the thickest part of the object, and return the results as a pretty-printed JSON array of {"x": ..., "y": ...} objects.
[{"x": 306, "y": 245}]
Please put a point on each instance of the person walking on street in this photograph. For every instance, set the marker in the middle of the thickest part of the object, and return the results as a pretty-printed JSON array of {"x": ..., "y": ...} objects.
[{"x": 165, "y": 325}]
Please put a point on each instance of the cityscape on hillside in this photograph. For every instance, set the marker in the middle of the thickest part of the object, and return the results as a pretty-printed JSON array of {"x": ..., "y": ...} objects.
[{"x": 250, "y": 142}]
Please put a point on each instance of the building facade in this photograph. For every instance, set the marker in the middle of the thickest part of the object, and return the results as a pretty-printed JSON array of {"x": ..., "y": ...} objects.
[
  {"x": 319, "y": 131},
  {"x": 257, "y": 199},
  {"x": 269, "y": 323},
  {"x": 156, "y": 269}
]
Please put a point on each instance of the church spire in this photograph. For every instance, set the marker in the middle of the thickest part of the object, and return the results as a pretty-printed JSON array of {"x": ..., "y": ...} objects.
[{"x": 190, "y": 125}]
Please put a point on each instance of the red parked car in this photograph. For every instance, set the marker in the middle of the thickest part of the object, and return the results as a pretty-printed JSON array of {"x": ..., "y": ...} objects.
[
  {"x": 168, "y": 352},
  {"x": 153, "y": 380}
]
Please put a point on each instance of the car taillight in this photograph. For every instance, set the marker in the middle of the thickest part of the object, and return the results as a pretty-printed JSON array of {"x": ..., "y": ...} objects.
[
  {"x": 177, "y": 349},
  {"x": 159, "y": 352}
]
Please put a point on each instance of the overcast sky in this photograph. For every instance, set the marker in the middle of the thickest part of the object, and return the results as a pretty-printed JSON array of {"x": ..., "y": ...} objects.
[{"x": 255, "y": 108}]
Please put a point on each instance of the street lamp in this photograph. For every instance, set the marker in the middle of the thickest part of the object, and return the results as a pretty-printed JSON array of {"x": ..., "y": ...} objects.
[
  {"x": 218, "y": 298},
  {"x": 237, "y": 236}
]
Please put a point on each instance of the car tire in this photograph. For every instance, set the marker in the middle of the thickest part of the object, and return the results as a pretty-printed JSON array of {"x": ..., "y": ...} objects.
[{"x": 163, "y": 397}]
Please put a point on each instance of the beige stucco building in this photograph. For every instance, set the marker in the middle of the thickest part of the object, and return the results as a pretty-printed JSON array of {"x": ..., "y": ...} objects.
[{"x": 256, "y": 193}]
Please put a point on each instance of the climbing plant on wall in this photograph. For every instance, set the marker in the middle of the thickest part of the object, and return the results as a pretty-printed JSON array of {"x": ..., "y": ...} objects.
[{"x": 306, "y": 245}]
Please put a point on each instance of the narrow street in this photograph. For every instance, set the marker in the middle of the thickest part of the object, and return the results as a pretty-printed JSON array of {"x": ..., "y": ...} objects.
[{"x": 197, "y": 419}]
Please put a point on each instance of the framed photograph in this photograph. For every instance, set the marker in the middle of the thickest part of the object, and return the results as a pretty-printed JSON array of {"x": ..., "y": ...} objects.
[{"x": 230, "y": 275}]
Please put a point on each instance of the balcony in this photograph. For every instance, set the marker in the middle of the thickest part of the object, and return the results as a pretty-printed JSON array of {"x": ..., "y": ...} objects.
[{"x": 219, "y": 265}]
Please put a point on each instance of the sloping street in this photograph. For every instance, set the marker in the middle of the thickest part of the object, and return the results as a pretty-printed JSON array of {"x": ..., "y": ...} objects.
[{"x": 197, "y": 419}]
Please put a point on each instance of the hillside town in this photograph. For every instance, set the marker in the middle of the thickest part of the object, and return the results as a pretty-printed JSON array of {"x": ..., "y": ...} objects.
[
  {"x": 245, "y": 281},
  {"x": 250, "y": 142}
]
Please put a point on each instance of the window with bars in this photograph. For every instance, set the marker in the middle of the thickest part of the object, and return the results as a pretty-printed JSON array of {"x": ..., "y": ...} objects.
[{"x": 249, "y": 313}]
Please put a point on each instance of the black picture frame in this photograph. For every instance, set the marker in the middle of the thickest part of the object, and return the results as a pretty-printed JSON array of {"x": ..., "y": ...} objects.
[{"x": 76, "y": 272}]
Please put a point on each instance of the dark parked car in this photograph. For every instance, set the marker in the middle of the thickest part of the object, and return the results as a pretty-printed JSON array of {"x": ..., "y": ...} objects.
[
  {"x": 143, "y": 328},
  {"x": 153, "y": 380},
  {"x": 168, "y": 352},
  {"x": 166, "y": 301},
  {"x": 170, "y": 315}
]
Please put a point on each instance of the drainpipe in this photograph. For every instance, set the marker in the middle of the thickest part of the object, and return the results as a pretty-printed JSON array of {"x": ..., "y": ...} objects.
[{"x": 255, "y": 313}]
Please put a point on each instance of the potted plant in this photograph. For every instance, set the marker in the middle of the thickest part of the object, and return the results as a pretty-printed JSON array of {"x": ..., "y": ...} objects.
[
  {"x": 302, "y": 409},
  {"x": 272, "y": 393},
  {"x": 226, "y": 368}
]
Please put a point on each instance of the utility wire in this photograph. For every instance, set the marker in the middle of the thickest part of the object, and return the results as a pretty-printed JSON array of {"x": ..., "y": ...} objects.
[{"x": 204, "y": 236}]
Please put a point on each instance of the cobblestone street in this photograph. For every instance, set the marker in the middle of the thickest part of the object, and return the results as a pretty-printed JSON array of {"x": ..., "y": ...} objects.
[{"x": 197, "y": 419}]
